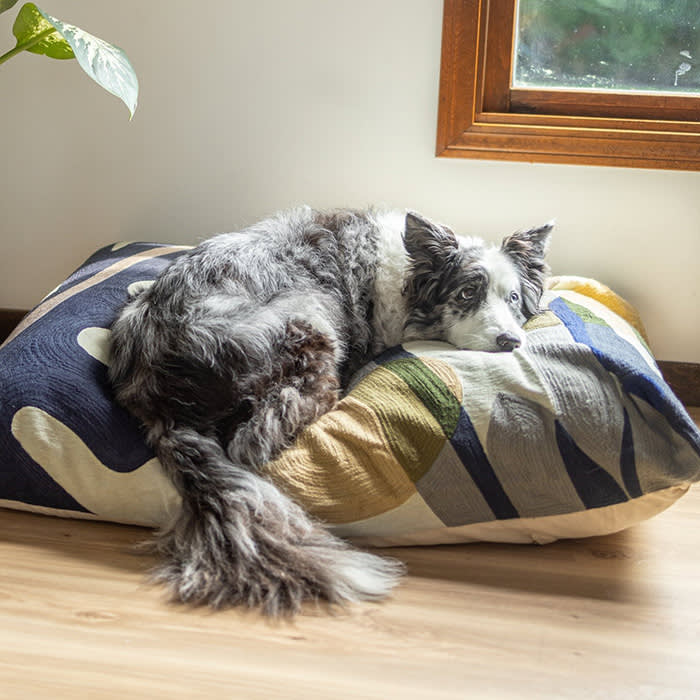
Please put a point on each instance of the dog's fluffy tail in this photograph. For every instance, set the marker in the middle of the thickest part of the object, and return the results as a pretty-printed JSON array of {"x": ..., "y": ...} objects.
[{"x": 239, "y": 540}]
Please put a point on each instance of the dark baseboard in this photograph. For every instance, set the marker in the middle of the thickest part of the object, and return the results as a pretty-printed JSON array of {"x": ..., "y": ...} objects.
[
  {"x": 9, "y": 318},
  {"x": 682, "y": 377}
]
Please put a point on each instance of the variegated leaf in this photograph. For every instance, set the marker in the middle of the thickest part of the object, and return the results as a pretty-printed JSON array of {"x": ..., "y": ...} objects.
[{"x": 105, "y": 63}]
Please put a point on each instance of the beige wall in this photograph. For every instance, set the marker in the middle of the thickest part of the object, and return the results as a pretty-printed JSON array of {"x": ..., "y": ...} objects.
[{"x": 251, "y": 106}]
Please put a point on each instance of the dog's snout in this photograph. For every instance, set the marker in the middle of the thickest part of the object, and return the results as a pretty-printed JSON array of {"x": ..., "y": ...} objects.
[{"x": 508, "y": 342}]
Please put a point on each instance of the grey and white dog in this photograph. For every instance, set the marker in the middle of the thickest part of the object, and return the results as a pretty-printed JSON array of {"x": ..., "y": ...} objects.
[{"x": 247, "y": 338}]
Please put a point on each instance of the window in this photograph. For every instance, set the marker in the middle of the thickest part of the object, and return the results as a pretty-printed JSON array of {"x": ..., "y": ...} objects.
[{"x": 607, "y": 83}]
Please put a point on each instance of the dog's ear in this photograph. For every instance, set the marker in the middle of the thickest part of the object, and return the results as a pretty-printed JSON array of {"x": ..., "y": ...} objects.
[
  {"x": 527, "y": 250},
  {"x": 426, "y": 242},
  {"x": 431, "y": 249},
  {"x": 531, "y": 243}
]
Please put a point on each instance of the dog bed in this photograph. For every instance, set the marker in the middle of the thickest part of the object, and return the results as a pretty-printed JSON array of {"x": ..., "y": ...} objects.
[{"x": 576, "y": 435}]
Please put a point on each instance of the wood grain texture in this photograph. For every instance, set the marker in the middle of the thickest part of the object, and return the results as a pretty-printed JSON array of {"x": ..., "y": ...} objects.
[
  {"x": 607, "y": 617},
  {"x": 461, "y": 42},
  {"x": 498, "y": 29},
  {"x": 481, "y": 116},
  {"x": 682, "y": 110}
]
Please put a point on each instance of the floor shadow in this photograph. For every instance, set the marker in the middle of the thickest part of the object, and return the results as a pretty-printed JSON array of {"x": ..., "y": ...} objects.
[
  {"x": 110, "y": 545},
  {"x": 598, "y": 567}
]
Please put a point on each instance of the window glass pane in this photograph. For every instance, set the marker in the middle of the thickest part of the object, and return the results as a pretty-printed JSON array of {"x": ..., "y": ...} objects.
[{"x": 646, "y": 45}]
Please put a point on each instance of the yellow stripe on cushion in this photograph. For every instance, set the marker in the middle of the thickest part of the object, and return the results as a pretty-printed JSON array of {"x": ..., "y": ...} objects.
[
  {"x": 363, "y": 459},
  {"x": 546, "y": 319},
  {"x": 415, "y": 435},
  {"x": 342, "y": 467},
  {"x": 604, "y": 295}
]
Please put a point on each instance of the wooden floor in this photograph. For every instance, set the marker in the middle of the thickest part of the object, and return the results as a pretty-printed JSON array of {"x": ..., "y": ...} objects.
[{"x": 610, "y": 617}]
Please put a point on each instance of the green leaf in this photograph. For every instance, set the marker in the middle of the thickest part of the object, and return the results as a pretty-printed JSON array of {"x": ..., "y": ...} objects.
[
  {"x": 36, "y": 34},
  {"x": 106, "y": 64},
  {"x": 7, "y": 5}
]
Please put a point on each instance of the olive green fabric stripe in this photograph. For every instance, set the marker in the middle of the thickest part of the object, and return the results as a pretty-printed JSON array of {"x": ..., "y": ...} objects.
[
  {"x": 588, "y": 316},
  {"x": 412, "y": 433},
  {"x": 416, "y": 410},
  {"x": 431, "y": 390}
]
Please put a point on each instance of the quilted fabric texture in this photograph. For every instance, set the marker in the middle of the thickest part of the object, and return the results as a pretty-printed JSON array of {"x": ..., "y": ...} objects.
[
  {"x": 576, "y": 435},
  {"x": 65, "y": 447}
]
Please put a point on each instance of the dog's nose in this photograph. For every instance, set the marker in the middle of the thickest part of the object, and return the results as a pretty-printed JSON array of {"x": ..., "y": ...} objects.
[{"x": 508, "y": 342}]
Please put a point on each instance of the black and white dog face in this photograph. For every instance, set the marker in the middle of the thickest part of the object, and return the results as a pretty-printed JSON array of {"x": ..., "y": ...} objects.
[{"x": 471, "y": 295}]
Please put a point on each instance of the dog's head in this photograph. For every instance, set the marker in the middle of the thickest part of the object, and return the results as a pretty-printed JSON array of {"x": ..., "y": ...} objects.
[{"x": 473, "y": 296}]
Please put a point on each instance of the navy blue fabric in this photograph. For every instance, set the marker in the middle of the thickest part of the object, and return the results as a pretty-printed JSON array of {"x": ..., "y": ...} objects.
[
  {"x": 103, "y": 258},
  {"x": 594, "y": 485},
  {"x": 621, "y": 358},
  {"x": 468, "y": 447},
  {"x": 628, "y": 466},
  {"x": 45, "y": 367}
]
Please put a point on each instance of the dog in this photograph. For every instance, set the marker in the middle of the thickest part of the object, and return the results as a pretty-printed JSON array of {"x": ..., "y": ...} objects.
[{"x": 249, "y": 337}]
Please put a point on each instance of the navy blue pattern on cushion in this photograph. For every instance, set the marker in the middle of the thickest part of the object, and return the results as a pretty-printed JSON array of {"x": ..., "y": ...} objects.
[
  {"x": 68, "y": 448},
  {"x": 622, "y": 359},
  {"x": 45, "y": 367}
]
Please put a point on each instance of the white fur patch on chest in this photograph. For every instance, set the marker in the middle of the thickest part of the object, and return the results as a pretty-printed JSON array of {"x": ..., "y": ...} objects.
[{"x": 392, "y": 260}]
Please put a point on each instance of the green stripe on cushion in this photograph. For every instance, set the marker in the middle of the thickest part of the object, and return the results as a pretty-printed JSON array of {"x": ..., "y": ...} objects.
[
  {"x": 416, "y": 410},
  {"x": 587, "y": 316},
  {"x": 584, "y": 313},
  {"x": 431, "y": 390}
]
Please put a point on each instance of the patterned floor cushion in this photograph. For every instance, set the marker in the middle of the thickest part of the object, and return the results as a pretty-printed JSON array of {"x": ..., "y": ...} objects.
[{"x": 575, "y": 435}]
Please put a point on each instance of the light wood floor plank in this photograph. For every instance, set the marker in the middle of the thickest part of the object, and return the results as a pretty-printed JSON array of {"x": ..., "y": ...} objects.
[{"x": 609, "y": 617}]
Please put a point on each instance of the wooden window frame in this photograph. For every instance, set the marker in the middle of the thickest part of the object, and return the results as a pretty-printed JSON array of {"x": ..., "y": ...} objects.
[{"x": 481, "y": 116}]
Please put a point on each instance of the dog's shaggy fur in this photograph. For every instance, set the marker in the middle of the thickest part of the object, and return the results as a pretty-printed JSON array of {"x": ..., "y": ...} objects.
[{"x": 249, "y": 337}]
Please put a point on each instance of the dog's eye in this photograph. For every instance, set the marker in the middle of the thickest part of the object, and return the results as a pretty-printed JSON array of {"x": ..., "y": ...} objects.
[
  {"x": 464, "y": 294},
  {"x": 514, "y": 297}
]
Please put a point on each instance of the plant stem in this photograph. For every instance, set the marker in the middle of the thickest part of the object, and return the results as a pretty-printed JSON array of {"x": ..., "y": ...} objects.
[{"x": 27, "y": 45}]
